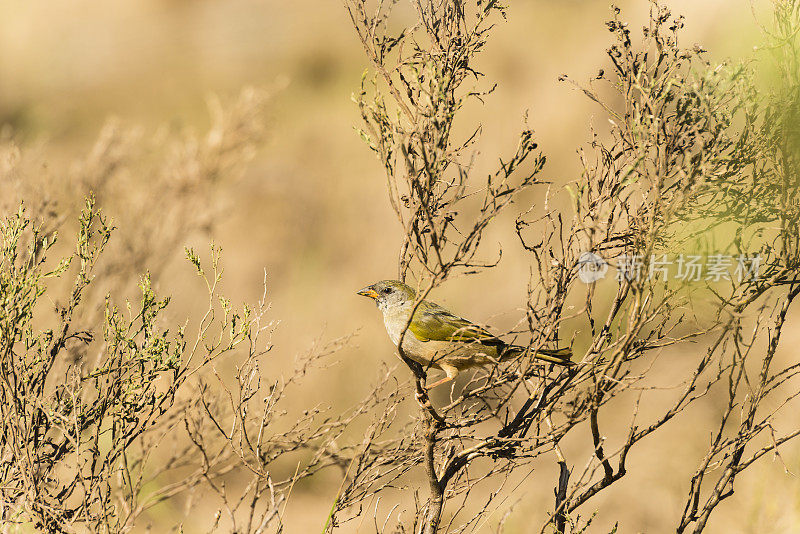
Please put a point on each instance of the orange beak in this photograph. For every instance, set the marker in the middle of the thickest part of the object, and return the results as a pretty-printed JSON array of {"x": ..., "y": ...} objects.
[{"x": 368, "y": 292}]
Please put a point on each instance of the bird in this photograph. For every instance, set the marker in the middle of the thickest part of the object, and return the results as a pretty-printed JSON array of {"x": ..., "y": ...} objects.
[{"x": 436, "y": 338}]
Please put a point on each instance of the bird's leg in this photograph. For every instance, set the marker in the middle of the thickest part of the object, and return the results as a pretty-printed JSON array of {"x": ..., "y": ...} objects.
[
  {"x": 440, "y": 382},
  {"x": 451, "y": 373}
]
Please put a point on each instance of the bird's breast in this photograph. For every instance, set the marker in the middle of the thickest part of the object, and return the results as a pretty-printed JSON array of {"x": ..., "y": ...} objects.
[
  {"x": 395, "y": 329},
  {"x": 453, "y": 354},
  {"x": 433, "y": 353}
]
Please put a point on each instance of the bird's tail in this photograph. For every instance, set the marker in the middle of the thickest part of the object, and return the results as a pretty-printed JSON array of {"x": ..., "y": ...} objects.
[{"x": 557, "y": 356}]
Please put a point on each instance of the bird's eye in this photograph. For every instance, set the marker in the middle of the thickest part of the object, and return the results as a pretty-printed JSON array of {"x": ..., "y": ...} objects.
[{"x": 387, "y": 290}]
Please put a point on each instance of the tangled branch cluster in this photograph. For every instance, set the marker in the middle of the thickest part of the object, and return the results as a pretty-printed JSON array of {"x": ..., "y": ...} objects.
[{"x": 695, "y": 158}]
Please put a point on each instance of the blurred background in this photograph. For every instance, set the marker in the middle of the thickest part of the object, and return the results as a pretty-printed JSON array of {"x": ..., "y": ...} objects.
[{"x": 311, "y": 208}]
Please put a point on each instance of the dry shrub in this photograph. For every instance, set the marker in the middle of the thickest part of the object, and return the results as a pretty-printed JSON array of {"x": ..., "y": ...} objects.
[
  {"x": 695, "y": 155},
  {"x": 111, "y": 408},
  {"x": 110, "y": 405}
]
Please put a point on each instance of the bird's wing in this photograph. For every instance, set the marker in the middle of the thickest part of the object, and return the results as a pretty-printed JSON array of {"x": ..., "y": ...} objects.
[{"x": 431, "y": 322}]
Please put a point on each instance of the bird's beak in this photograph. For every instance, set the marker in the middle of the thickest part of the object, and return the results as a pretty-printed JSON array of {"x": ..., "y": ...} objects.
[{"x": 368, "y": 292}]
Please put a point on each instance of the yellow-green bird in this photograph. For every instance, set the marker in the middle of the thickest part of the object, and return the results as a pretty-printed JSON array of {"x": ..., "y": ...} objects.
[{"x": 437, "y": 338}]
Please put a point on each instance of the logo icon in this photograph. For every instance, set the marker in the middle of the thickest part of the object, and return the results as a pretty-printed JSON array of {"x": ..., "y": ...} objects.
[{"x": 591, "y": 267}]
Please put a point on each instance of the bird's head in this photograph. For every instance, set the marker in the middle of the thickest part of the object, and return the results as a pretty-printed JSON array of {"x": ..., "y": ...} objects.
[{"x": 389, "y": 294}]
